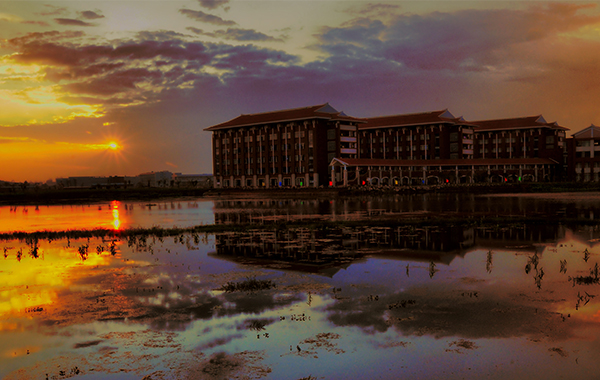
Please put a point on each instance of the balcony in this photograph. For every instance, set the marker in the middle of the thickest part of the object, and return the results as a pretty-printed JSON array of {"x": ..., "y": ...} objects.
[
  {"x": 347, "y": 151},
  {"x": 347, "y": 139}
]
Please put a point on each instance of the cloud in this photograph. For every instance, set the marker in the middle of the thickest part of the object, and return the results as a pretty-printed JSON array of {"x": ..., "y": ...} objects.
[
  {"x": 7, "y": 17},
  {"x": 236, "y": 34},
  {"x": 53, "y": 10},
  {"x": 72, "y": 22},
  {"x": 461, "y": 41},
  {"x": 493, "y": 316},
  {"x": 205, "y": 17},
  {"x": 90, "y": 15},
  {"x": 212, "y": 4}
]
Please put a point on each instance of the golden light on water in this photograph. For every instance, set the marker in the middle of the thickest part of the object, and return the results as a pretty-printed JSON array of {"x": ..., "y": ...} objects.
[{"x": 115, "y": 212}]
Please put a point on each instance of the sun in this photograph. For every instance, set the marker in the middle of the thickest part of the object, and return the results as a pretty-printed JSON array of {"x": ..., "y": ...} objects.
[{"x": 113, "y": 145}]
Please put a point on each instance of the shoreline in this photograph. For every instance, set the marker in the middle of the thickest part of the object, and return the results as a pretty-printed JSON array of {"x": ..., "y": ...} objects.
[{"x": 83, "y": 196}]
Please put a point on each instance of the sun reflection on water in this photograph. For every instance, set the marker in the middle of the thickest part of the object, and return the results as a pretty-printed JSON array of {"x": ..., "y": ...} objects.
[{"x": 115, "y": 213}]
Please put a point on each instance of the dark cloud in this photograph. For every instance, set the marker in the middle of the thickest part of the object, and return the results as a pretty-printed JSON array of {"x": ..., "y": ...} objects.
[
  {"x": 237, "y": 34},
  {"x": 212, "y": 4},
  {"x": 114, "y": 83},
  {"x": 90, "y": 15},
  {"x": 161, "y": 35},
  {"x": 205, "y": 17},
  {"x": 72, "y": 22}
]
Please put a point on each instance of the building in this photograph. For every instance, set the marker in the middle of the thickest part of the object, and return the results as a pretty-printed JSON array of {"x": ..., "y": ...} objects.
[
  {"x": 193, "y": 180},
  {"x": 288, "y": 148},
  {"x": 320, "y": 146},
  {"x": 583, "y": 161},
  {"x": 155, "y": 179},
  {"x": 406, "y": 149},
  {"x": 532, "y": 148},
  {"x": 93, "y": 182}
]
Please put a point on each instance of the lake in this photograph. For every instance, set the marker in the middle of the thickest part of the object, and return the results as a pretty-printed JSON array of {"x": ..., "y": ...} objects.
[{"x": 349, "y": 301}]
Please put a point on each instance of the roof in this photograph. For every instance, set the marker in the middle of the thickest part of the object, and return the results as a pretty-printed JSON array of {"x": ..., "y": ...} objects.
[
  {"x": 588, "y": 133},
  {"x": 321, "y": 111},
  {"x": 444, "y": 162},
  {"x": 442, "y": 116},
  {"x": 526, "y": 122}
]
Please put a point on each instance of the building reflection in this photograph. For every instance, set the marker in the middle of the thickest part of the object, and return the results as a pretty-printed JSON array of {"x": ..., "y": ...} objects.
[
  {"x": 325, "y": 252},
  {"x": 353, "y": 208}
]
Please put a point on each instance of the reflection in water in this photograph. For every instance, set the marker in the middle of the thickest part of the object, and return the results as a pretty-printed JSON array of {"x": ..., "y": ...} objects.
[
  {"x": 260, "y": 210},
  {"x": 408, "y": 302},
  {"x": 115, "y": 212}
]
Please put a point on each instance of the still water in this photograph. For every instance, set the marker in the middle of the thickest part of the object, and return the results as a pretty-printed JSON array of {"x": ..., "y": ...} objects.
[
  {"x": 192, "y": 212},
  {"x": 502, "y": 302}
]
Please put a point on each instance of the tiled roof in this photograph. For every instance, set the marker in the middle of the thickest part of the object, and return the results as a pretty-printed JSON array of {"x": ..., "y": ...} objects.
[
  {"x": 321, "y": 111},
  {"x": 588, "y": 133},
  {"x": 454, "y": 162},
  {"x": 515, "y": 123},
  {"x": 443, "y": 116}
]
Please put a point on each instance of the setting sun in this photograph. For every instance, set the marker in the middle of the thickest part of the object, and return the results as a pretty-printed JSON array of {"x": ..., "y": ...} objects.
[{"x": 113, "y": 145}]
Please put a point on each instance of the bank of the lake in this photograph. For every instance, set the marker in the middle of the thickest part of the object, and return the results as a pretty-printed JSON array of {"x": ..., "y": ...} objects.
[{"x": 40, "y": 196}]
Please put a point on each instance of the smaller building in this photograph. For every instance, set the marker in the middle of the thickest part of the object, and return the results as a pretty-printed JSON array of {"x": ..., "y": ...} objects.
[{"x": 584, "y": 155}]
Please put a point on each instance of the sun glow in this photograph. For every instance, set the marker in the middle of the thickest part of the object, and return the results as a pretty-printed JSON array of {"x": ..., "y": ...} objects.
[{"x": 113, "y": 145}]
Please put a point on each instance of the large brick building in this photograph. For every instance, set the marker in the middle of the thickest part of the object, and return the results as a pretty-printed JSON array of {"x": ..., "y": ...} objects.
[
  {"x": 320, "y": 146},
  {"x": 283, "y": 148}
]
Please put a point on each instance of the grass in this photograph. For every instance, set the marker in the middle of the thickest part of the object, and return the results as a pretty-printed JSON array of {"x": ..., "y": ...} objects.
[{"x": 31, "y": 238}]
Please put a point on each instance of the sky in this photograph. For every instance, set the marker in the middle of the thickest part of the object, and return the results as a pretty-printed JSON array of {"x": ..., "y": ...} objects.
[{"x": 104, "y": 88}]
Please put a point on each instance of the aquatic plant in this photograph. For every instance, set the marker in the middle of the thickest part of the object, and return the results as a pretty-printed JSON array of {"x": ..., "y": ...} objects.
[
  {"x": 489, "y": 264},
  {"x": 113, "y": 248},
  {"x": 563, "y": 266},
  {"x": 83, "y": 251},
  {"x": 251, "y": 284},
  {"x": 34, "y": 252},
  {"x": 432, "y": 269}
]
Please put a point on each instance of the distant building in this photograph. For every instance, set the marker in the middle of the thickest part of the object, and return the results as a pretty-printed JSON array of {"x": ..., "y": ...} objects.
[
  {"x": 92, "y": 182},
  {"x": 193, "y": 180},
  {"x": 155, "y": 179}
]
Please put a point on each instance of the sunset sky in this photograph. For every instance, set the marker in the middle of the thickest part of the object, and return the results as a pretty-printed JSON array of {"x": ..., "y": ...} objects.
[{"x": 124, "y": 87}]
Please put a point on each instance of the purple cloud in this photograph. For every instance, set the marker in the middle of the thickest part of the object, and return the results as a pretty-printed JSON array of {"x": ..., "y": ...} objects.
[
  {"x": 72, "y": 22},
  {"x": 236, "y": 34},
  {"x": 212, "y": 4},
  {"x": 205, "y": 17},
  {"x": 90, "y": 15}
]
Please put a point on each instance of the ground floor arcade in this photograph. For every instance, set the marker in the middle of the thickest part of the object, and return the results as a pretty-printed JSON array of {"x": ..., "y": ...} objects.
[{"x": 361, "y": 172}]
